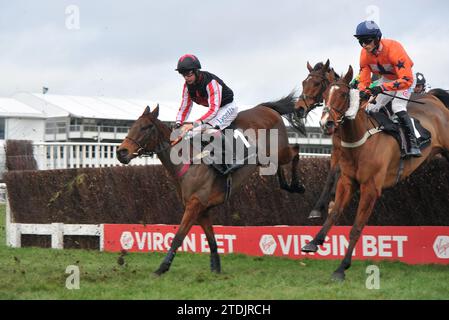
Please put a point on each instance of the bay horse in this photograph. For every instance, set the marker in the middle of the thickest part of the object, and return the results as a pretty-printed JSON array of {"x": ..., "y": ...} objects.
[
  {"x": 372, "y": 164},
  {"x": 313, "y": 88},
  {"x": 200, "y": 187}
]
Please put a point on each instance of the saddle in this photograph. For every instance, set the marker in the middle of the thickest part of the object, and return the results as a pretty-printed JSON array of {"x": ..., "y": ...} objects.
[
  {"x": 225, "y": 152},
  {"x": 389, "y": 124}
]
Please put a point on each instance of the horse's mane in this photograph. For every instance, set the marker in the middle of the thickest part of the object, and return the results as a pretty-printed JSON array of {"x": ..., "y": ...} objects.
[
  {"x": 286, "y": 108},
  {"x": 336, "y": 75},
  {"x": 441, "y": 94},
  {"x": 318, "y": 66}
]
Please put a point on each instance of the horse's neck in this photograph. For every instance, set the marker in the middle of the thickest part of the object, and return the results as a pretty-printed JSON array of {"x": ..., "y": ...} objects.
[
  {"x": 164, "y": 155},
  {"x": 354, "y": 129}
]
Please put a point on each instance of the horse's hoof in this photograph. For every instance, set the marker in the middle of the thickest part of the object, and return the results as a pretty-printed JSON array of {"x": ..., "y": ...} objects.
[
  {"x": 314, "y": 214},
  {"x": 310, "y": 247},
  {"x": 299, "y": 188},
  {"x": 338, "y": 276},
  {"x": 157, "y": 273},
  {"x": 162, "y": 269}
]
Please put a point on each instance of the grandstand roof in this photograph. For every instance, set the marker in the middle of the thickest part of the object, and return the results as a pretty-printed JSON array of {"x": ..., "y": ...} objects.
[
  {"x": 13, "y": 108},
  {"x": 57, "y": 106}
]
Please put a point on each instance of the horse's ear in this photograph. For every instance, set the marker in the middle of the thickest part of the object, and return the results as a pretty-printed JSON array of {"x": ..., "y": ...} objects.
[
  {"x": 326, "y": 66},
  {"x": 309, "y": 66},
  {"x": 156, "y": 111},
  {"x": 147, "y": 110},
  {"x": 348, "y": 76}
]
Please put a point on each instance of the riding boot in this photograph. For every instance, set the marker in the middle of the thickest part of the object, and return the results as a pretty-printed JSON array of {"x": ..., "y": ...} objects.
[
  {"x": 228, "y": 146},
  {"x": 412, "y": 144}
]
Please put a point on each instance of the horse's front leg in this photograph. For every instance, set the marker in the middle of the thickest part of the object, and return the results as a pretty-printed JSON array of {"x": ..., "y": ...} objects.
[
  {"x": 192, "y": 211},
  {"x": 368, "y": 197},
  {"x": 345, "y": 190},
  {"x": 206, "y": 223}
]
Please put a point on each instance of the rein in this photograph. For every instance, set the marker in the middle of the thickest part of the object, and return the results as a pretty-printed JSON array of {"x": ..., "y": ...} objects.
[
  {"x": 368, "y": 134},
  {"x": 142, "y": 152}
]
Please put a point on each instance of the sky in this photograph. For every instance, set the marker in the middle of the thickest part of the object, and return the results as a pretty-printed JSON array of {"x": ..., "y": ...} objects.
[{"x": 259, "y": 48}]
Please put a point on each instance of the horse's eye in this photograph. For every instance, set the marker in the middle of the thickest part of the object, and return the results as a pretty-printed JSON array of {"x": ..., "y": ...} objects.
[{"x": 148, "y": 126}]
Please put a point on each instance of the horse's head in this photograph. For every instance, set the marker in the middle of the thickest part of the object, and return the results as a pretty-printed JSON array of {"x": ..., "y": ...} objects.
[
  {"x": 337, "y": 101},
  {"x": 144, "y": 137},
  {"x": 313, "y": 88}
]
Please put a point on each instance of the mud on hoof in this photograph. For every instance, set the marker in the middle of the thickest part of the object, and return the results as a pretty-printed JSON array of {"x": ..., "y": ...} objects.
[
  {"x": 310, "y": 247},
  {"x": 338, "y": 276},
  {"x": 315, "y": 214}
]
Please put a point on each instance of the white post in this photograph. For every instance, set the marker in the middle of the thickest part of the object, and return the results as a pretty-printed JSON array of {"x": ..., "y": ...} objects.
[
  {"x": 13, "y": 233},
  {"x": 57, "y": 236},
  {"x": 101, "y": 237}
]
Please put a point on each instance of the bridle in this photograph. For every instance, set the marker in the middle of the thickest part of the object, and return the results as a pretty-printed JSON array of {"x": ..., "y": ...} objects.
[
  {"x": 318, "y": 99},
  {"x": 142, "y": 152},
  {"x": 341, "y": 114}
]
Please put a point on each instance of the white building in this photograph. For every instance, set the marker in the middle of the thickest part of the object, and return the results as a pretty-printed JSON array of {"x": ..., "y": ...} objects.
[
  {"x": 90, "y": 119},
  {"x": 20, "y": 121},
  {"x": 80, "y": 131}
]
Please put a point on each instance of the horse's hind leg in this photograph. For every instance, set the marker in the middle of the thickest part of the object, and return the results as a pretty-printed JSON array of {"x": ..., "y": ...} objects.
[
  {"x": 282, "y": 180},
  {"x": 327, "y": 194},
  {"x": 206, "y": 223},
  {"x": 192, "y": 211},
  {"x": 295, "y": 185}
]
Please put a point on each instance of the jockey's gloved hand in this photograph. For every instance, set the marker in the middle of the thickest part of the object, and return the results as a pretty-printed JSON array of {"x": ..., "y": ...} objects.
[
  {"x": 376, "y": 90},
  {"x": 364, "y": 95}
]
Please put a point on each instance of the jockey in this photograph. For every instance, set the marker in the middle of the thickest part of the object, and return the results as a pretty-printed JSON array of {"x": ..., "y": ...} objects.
[
  {"x": 208, "y": 90},
  {"x": 388, "y": 59},
  {"x": 420, "y": 86},
  {"x": 205, "y": 89}
]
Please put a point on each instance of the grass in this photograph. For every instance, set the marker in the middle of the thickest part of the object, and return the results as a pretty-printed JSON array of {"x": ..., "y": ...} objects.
[{"x": 36, "y": 273}]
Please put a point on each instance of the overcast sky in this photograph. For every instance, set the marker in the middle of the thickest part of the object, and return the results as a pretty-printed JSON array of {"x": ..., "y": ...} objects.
[{"x": 259, "y": 48}]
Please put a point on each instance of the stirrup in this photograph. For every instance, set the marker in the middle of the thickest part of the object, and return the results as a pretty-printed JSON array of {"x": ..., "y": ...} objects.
[{"x": 414, "y": 152}]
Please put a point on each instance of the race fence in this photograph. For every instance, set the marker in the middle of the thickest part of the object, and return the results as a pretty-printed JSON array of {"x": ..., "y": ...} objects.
[
  {"x": 412, "y": 245},
  {"x": 66, "y": 155}
]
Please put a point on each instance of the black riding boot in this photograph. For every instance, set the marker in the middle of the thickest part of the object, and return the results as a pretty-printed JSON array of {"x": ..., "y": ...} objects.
[
  {"x": 406, "y": 124},
  {"x": 227, "y": 144}
]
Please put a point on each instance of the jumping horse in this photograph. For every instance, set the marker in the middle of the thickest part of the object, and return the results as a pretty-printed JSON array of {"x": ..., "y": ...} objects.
[
  {"x": 314, "y": 87},
  {"x": 200, "y": 187},
  {"x": 374, "y": 164}
]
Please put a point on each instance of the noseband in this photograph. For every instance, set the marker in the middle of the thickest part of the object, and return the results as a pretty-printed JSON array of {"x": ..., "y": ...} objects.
[
  {"x": 318, "y": 99},
  {"x": 340, "y": 113}
]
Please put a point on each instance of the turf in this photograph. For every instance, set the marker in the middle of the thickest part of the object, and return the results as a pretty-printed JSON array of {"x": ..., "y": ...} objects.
[{"x": 36, "y": 273}]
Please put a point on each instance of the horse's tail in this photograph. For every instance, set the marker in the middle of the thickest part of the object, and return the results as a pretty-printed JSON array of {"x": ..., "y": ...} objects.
[
  {"x": 441, "y": 94},
  {"x": 286, "y": 105},
  {"x": 286, "y": 108}
]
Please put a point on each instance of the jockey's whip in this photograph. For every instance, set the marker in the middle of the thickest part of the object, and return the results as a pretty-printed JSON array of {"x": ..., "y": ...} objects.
[{"x": 396, "y": 97}]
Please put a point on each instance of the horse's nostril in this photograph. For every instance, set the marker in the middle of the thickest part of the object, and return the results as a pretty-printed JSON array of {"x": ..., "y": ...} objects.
[
  {"x": 329, "y": 124},
  {"x": 122, "y": 153}
]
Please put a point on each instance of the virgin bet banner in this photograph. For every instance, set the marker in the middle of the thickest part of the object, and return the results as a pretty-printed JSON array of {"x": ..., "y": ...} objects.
[{"x": 413, "y": 245}]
